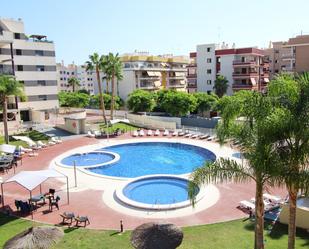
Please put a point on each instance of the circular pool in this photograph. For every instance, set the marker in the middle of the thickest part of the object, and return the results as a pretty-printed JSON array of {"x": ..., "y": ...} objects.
[
  {"x": 156, "y": 192},
  {"x": 151, "y": 158},
  {"x": 89, "y": 159}
]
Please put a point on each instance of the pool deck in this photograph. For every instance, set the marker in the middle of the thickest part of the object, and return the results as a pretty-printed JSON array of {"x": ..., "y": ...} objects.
[{"x": 90, "y": 200}]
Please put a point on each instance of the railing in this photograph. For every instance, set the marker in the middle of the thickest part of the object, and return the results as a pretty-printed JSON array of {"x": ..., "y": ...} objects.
[
  {"x": 240, "y": 74},
  {"x": 238, "y": 62}
]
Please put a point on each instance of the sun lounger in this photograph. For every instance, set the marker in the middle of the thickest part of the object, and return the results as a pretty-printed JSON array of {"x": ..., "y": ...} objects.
[
  {"x": 51, "y": 143},
  {"x": 247, "y": 205},
  {"x": 194, "y": 136},
  {"x": 157, "y": 133},
  {"x": 22, "y": 149},
  {"x": 97, "y": 133},
  {"x": 135, "y": 134},
  {"x": 180, "y": 134},
  {"x": 149, "y": 133},
  {"x": 33, "y": 145},
  {"x": 210, "y": 138},
  {"x": 90, "y": 134},
  {"x": 272, "y": 198},
  {"x": 204, "y": 136},
  {"x": 165, "y": 133},
  {"x": 67, "y": 218},
  {"x": 175, "y": 133},
  {"x": 56, "y": 140},
  {"x": 41, "y": 144},
  {"x": 188, "y": 135},
  {"x": 141, "y": 133}
]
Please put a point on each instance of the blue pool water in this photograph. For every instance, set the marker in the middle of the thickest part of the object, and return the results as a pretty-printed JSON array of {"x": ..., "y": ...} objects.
[
  {"x": 164, "y": 190},
  {"x": 139, "y": 159},
  {"x": 87, "y": 159}
]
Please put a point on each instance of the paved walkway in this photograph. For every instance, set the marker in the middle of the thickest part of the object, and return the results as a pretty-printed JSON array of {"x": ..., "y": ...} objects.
[{"x": 89, "y": 202}]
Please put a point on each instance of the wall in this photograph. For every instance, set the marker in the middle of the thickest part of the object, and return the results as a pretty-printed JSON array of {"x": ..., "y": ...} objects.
[
  {"x": 199, "y": 122},
  {"x": 127, "y": 85},
  {"x": 75, "y": 126},
  {"x": 150, "y": 122},
  {"x": 226, "y": 69},
  {"x": 302, "y": 216}
]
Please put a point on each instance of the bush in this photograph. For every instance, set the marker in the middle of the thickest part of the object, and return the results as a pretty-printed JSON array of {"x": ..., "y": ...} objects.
[
  {"x": 73, "y": 99},
  {"x": 205, "y": 102},
  {"x": 141, "y": 101},
  {"x": 95, "y": 101}
]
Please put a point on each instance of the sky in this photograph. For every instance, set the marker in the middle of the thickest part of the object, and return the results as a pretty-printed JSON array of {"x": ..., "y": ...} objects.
[{"x": 82, "y": 27}]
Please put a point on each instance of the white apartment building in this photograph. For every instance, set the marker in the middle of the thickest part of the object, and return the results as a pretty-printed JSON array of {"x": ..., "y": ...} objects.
[
  {"x": 152, "y": 73},
  {"x": 87, "y": 79},
  {"x": 32, "y": 60}
]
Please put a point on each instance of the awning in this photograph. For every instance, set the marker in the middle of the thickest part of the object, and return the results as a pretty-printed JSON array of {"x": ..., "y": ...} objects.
[
  {"x": 7, "y": 148},
  {"x": 182, "y": 82},
  {"x": 31, "y": 179},
  {"x": 253, "y": 82},
  {"x": 266, "y": 80},
  {"x": 150, "y": 73},
  {"x": 158, "y": 74},
  {"x": 157, "y": 83},
  {"x": 163, "y": 64}
]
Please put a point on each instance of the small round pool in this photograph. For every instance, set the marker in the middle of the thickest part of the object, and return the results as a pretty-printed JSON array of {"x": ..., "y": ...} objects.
[
  {"x": 152, "y": 158},
  {"x": 156, "y": 192},
  {"x": 89, "y": 159}
]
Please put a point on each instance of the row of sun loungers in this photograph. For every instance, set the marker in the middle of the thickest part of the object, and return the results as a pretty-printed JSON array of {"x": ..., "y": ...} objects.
[{"x": 270, "y": 202}]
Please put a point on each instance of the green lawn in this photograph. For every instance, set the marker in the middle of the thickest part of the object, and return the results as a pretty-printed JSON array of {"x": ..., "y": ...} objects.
[
  {"x": 229, "y": 235},
  {"x": 121, "y": 126}
]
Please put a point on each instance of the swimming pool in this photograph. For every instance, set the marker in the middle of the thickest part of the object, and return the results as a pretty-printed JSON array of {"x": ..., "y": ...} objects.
[
  {"x": 92, "y": 159},
  {"x": 148, "y": 158},
  {"x": 156, "y": 192}
]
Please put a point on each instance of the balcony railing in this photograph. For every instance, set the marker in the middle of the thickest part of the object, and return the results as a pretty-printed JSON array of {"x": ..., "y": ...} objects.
[
  {"x": 288, "y": 56},
  {"x": 191, "y": 76},
  {"x": 245, "y": 75},
  {"x": 244, "y": 63}
]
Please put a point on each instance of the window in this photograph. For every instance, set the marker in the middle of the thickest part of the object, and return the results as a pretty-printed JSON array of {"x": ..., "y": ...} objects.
[
  {"x": 208, "y": 71},
  {"x": 61, "y": 78},
  {"x": 276, "y": 71},
  {"x": 20, "y": 68},
  {"x": 208, "y": 49},
  {"x": 18, "y": 52},
  {"x": 72, "y": 73},
  {"x": 41, "y": 82},
  {"x": 276, "y": 61},
  {"x": 17, "y": 36},
  {"x": 22, "y": 82},
  {"x": 208, "y": 60},
  {"x": 208, "y": 82},
  {"x": 40, "y": 68},
  {"x": 42, "y": 97},
  {"x": 64, "y": 78},
  {"x": 68, "y": 73},
  {"x": 209, "y": 92},
  {"x": 60, "y": 72},
  {"x": 39, "y": 52}
]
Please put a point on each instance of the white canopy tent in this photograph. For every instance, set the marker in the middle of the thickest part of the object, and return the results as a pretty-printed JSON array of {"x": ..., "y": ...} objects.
[
  {"x": 115, "y": 121},
  {"x": 32, "y": 179},
  {"x": 7, "y": 148}
]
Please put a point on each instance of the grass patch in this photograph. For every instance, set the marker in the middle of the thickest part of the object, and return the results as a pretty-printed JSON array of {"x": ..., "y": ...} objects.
[
  {"x": 228, "y": 235},
  {"x": 121, "y": 126}
]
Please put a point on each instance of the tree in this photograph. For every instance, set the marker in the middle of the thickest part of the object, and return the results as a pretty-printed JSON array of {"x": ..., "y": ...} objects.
[
  {"x": 205, "y": 102},
  {"x": 141, "y": 101},
  {"x": 97, "y": 63},
  {"x": 95, "y": 101},
  {"x": 178, "y": 103},
  {"x": 261, "y": 160},
  {"x": 8, "y": 87},
  {"x": 74, "y": 99},
  {"x": 291, "y": 98},
  {"x": 221, "y": 85},
  {"x": 114, "y": 70},
  {"x": 73, "y": 82}
]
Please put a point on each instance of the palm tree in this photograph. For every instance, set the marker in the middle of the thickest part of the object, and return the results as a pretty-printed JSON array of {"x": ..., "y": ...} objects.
[
  {"x": 261, "y": 159},
  {"x": 291, "y": 97},
  {"x": 73, "y": 82},
  {"x": 97, "y": 63},
  {"x": 8, "y": 87},
  {"x": 221, "y": 85},
  {"x": 114, "y": 69}
]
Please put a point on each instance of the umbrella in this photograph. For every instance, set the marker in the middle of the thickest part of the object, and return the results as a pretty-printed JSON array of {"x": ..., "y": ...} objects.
[
  {"x": 41, "y": 237},
  {"x": 156, "y": 235}
]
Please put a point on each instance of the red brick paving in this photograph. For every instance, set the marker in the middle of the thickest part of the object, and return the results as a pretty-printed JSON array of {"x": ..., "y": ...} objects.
[{"x": 89, "y": 202}]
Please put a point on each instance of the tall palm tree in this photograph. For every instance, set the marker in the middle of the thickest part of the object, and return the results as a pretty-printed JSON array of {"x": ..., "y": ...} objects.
[
  {"x": 8, "y": 87},
  {"x": 291, "y": 98},
  {"x": 114, "y": 69},
  {"x": 73, "y": 82},
  {"x": 221, "y": 85},
  {"x": 96, "y": 63},
  {"x": 261, "y": 160}
]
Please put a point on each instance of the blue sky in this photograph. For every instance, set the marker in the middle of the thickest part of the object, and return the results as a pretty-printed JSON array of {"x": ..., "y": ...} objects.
[{"x": 81, "y": 27}]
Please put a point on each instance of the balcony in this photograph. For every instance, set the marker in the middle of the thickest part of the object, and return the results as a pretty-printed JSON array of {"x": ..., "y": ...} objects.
[
  {"x": 192, "y": 76},
  {"x": 288, "y": 56},
  {"x": 6, "y": 37},
  {"x": 150, "y": 85},
  {"x": 239, "y": 63},
  {"x": 177, "y": 83},
  {"x": 240, "y": 75},
  {"x": 239, "y": 86}
]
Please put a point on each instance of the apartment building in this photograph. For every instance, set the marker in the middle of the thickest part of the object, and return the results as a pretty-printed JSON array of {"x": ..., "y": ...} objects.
[
  {"x": 32, "y": 60},
  {"x": 87, "y": 79},
  {"x": 152, "y": 73},
  {"x": 244, "y": 68},
  {"x": 290, "y": 56}
]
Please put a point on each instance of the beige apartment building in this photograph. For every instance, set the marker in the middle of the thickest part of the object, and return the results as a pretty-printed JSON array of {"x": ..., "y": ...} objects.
[
  {"x": 147, "y": 72},
  {"x": 31, "y": 59},
  {"x": 87, "y": 79},
  {"x": 290, "y": 56}
]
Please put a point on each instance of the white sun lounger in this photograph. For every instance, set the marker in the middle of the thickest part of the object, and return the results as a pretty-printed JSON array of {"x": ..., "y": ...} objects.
[
  {"x": 90, "y": 134},
  {"x": 194, "y": 136},
  {"x": 180, "y": 134},
  {"x": 175, "y": 133},
  {"x": 51, "y": 143},
  {"x": 188, "y": 135},
  {"x": 204, "y": 136},
  {"x": 247, "y": 204},
  {"x": 149, "y": 133},
  {"x": 272, "y": 198},
  {"x": 135, "y": 134},
  {"x": 141, "y": 133},
  {"x": 166, "y": 133},
  {"x": 157, "y": 133},
  {"x": 210, "y": 138},
  {"x": 22, "y": 149},
  {"x": 41, "y": 144},
  {"x": 57, "y": 140},
  {"x": 97, "y": 133},
  {"x": 33, "y": 145}
]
